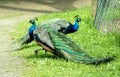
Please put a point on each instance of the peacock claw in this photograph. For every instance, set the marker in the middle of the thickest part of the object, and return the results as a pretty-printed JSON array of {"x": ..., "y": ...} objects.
[{"x": 36, "y": 52}]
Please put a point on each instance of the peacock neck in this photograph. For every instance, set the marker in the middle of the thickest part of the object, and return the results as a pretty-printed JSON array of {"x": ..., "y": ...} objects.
[
  {"x": 76, "y": 25},
  {"x": 31, "y": 29},
  {"x": 34, "y": 24}
]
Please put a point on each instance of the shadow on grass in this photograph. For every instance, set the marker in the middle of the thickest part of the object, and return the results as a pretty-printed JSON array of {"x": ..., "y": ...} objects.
[
  {"x": 41, "y": 55},
  {"x": 61, "y": 5},
  {"x": 23, "y": 9},
  {"x": 26, "y": 47}
]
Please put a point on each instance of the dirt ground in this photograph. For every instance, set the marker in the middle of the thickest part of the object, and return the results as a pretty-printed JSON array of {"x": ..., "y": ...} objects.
[{"x": 16, "y": 11}]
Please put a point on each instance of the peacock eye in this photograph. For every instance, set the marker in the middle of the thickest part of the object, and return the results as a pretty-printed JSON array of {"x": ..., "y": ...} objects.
[{"x": 79, "y": 19}]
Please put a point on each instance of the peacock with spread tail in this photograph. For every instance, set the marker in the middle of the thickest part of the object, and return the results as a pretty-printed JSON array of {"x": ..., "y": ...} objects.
[{"x": 57, "y": 24}]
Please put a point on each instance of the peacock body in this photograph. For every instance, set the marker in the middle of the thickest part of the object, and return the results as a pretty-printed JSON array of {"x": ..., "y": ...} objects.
[{"x": 62, "y": 46}]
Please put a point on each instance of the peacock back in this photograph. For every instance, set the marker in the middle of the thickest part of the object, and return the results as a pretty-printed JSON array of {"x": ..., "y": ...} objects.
[{"x": 57, "y": 24}]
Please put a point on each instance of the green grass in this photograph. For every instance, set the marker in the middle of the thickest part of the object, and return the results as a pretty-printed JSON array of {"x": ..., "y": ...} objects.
[{"x": 95, "y": 43}]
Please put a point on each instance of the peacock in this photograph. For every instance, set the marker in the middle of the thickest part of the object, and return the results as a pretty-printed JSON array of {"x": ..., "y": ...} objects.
[
  {"x": 29, "y": 36},
  {"x": 51, "y": 36},
  {"x": 63, "y": 47},
  {"x": 57, "y": 24},
  {"x": 72, "y": 27}
]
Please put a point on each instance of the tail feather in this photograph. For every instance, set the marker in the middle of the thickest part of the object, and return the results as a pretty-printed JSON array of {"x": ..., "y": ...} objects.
[
  {"x": 25, "y": 39},
  {"x": 104, "y": 60},
  {"x": 67, "y": 49}
]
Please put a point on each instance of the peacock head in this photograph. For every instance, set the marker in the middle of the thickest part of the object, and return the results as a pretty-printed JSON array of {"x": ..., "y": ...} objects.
[
  {"x": 32, "y": 21},
  {"x": 77, "y": 18}
]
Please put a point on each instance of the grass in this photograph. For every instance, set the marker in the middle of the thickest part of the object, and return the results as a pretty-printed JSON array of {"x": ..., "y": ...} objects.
[{"x": 95, "y": 43}]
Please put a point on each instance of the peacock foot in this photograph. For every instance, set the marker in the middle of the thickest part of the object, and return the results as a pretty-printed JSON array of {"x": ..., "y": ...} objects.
[{"x": 36, "y": 51}]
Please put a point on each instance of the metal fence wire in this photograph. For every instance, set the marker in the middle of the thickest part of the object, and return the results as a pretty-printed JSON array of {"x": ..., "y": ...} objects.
[{"x": 107, "y": 16}]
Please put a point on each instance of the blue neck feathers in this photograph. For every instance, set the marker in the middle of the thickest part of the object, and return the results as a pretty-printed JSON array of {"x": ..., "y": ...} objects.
[
  {"x": 76, "y": 26},
  {"x": 31, "y": 29}
]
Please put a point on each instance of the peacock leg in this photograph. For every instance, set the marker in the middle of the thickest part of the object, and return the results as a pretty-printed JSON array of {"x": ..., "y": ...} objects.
[
  {"x": 45, "y": 52},
  {"x": 36, "y": 51}
]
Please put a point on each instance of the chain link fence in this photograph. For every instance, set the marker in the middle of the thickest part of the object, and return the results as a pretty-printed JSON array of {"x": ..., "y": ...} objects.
[{"x": 107, "y": 16}]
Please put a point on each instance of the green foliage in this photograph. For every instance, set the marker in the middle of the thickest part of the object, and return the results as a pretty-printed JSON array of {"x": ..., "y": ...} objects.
[{"x": 95, "y": 43}]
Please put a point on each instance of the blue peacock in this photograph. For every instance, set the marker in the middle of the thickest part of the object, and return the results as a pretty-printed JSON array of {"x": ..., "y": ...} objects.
[
  {"x": 51, "y": 37},
  {"x": 57, "y": 24},
  {"x": 72, "y": 27}
]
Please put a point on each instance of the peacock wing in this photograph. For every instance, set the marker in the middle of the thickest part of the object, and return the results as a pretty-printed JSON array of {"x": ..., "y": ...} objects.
[{"x": 42, "y": 35}]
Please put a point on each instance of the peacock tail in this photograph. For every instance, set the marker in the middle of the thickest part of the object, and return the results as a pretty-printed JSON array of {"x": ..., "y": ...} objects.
[
  {"x": 25, "y": 39},
  {"x": 65, "y": 48}
]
